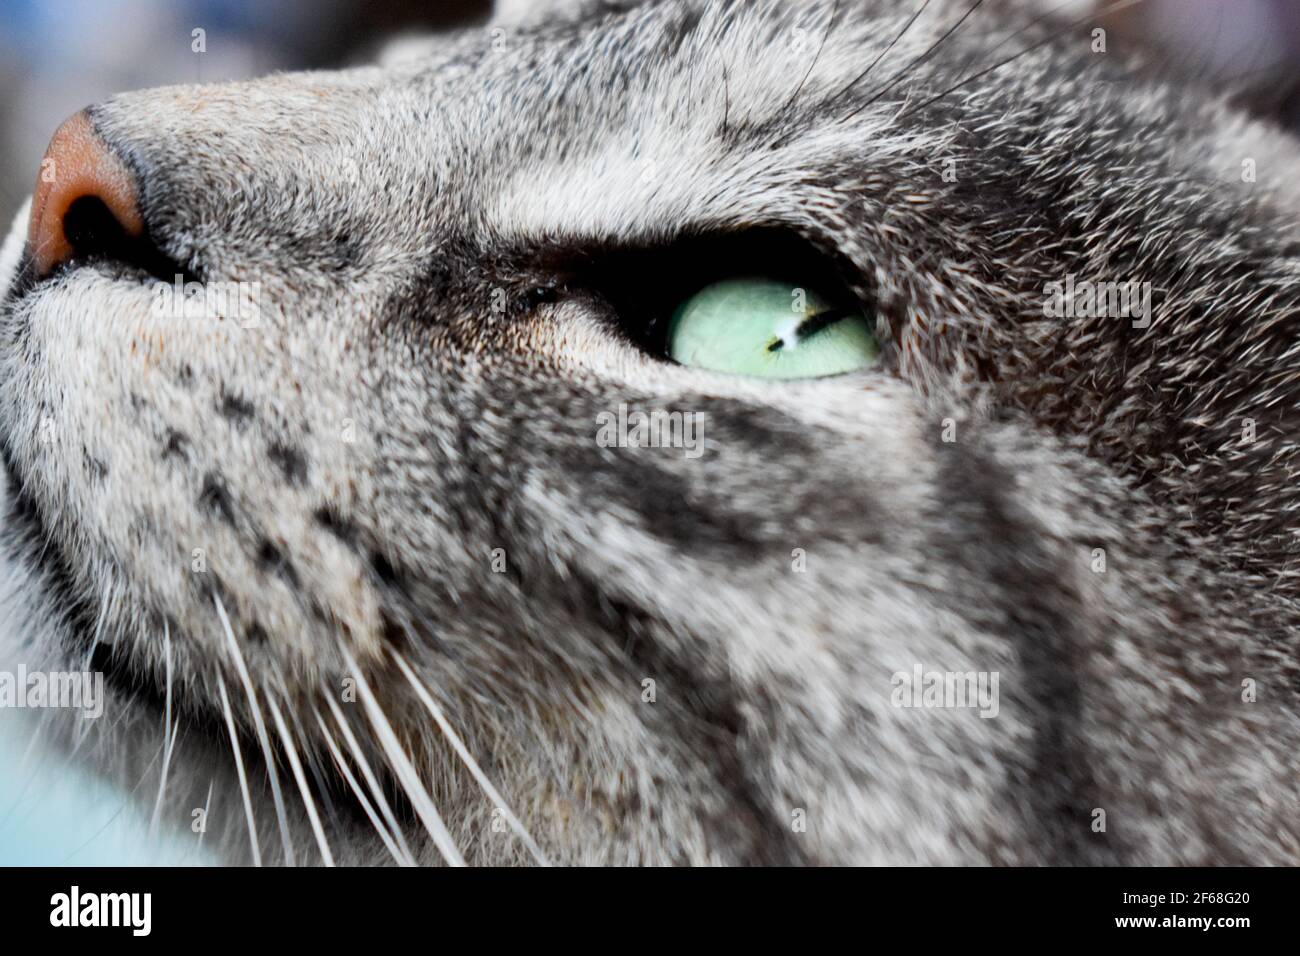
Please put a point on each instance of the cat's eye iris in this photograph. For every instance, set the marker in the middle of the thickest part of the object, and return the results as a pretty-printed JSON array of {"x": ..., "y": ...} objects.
[{"x": 770, "y": 329}]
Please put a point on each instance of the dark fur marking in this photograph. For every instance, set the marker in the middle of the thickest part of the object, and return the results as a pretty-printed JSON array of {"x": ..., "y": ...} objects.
[
  {"x": 215, "y": 498},
  {"x": 271, "y": 559},
  {"x": 236, "y": 409},
  {"x": 391, "y": 632},
  {"x": 385, "y": 570},
  {"x": 996, "y": 542},
  {"x": 96, "y": 470},
  {"x": 750, "y": 831},
  {"x": 759, "y": 429},
  {"x": 662, "y": 500},
  {"x": 326, "y": 250},
  {"x": 175, "y": 445},
  {"x": 337, "y": 525},
  {"x": 290, "y": 461},
  {"x": 701, "y": 515},
  {"x": 208, "y": 584}
]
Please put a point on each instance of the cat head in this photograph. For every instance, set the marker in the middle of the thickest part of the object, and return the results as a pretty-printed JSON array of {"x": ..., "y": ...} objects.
[{"x": 362, "y": 419}]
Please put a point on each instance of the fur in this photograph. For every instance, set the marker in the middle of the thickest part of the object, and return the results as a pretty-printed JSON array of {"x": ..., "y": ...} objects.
[{"x": 407, "y": 410}]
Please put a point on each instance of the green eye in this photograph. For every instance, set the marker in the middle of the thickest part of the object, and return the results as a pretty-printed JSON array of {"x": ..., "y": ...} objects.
[{"x": 770, "y": 329}]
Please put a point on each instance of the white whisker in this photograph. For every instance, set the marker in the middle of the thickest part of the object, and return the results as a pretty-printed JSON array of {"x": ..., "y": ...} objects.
[
  {"x": 207, "y": 807},
  {"x": 239, "y": 766},
  {"x": 475, "y": 770},
  {"x": 402, "y": 858},
  {"x": 291, "y": 752},
  {"x": 369, "y": 775},
  {"x": 405, "y": 770},
  {"x": 169, "y": 732},
  {"x": 99, "y": 627},
  {"x": 263, "y": 738}
]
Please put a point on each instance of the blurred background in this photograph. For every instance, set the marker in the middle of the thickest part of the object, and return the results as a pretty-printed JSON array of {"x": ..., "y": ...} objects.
[{"x": 57, "y": 56}]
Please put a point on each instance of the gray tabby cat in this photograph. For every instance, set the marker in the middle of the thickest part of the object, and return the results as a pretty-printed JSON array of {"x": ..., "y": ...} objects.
[{"x": 371, "y": 562}]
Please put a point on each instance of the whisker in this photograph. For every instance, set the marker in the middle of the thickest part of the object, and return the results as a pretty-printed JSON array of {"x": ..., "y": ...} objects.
[
  {"x": 98, "y": 635},
  {"x": 96, "y": 638},
  {"x": 169, "y": 731},
  {"x": 239, "y": 766},
  {"x": 830, "y": 25},
  {"x": 882, "y": 54},
  {"x": 263, "y": 737},
  {"x": 894, "y": 80},
  {"x": 314, "y": 763},
  {"x": 207, "y": 806},
  {"x": 1091, "y": 17},
  {"x": 126, "y": 802},
  {"x": 291, "y": 751},
  {"x": 454, "y": 739},
  {"x": 1049, "y": 15},
  {"x": 34, "y": 746},
  {"x": 401, "y": 855},
  {"x": 371, "y": 780},
  {"x": 405, "y": 770}
]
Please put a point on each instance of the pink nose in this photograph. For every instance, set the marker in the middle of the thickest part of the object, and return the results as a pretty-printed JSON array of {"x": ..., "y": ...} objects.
[{"x": 85, "y": 198}]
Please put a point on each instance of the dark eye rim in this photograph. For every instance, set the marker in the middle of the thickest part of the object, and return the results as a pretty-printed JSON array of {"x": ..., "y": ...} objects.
[{"x": 642, "y": 286}]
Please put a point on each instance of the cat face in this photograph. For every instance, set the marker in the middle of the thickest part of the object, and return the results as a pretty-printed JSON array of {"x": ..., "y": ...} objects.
[{"x": 379, "y": 474}]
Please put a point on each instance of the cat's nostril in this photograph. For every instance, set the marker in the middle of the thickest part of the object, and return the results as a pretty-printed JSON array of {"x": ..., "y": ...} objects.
[
  {"x": 85, "y": 202},
  {"x": 91, "y": 228}
]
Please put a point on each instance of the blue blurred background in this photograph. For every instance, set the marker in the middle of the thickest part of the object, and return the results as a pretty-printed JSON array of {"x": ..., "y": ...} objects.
[{"x": 57, "y": 56}]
